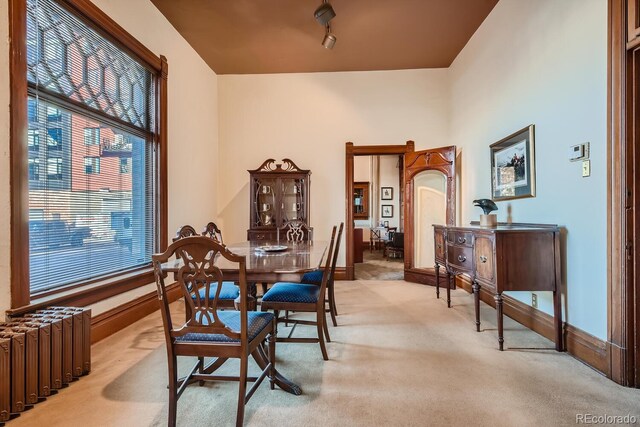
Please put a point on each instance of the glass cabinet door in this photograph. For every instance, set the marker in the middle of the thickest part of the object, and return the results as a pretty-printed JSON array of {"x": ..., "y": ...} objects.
[
  {"x": 265, "y": 202},
  {"x": 293, "y": 199}
]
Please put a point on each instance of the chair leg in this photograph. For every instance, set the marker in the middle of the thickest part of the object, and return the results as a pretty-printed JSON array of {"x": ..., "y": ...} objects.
[
  {"x": 272, "y": 359},
  {"x": 201, "y": 369},
  {"x": 276, "y": 313},
  {"x": 173, "y": 390},
  {"x": 264, "y": 287},
  {"x": 325, "y": 326},
  {"x": 320, "y": 327},
  {"x": 242, "y": 390},
  {"x": 286, "y": 318},
  {"x": 332, "y": 306}
]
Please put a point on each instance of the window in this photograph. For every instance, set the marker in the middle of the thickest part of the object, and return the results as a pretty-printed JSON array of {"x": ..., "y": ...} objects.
[
  {"x": 34, "y": 169},
  {"x": 91, "y": 136},
  {"x": 34, "y": 140},
  {"x": 92, "y": 104},
  {"x": 54, "y": 168},
  {"x": 92, "y": 165},
  {"x": 125, "y": 165}
]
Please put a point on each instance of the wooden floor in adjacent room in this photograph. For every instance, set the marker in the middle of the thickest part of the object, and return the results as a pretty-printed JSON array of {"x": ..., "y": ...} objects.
[{"x": 399, "y": 357}]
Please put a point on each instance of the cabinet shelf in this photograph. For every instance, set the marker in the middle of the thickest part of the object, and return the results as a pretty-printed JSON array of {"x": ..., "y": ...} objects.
[{"x": 361, "y": 200}]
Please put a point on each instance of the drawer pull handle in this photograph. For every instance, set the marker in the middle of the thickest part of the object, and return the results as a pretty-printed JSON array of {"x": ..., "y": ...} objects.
[
  {"x": 462, "y": 258},
  {"x": 461, "y": 240},
  {"x": 483, "y": 259},
  {"x": 439, "y": 246}
]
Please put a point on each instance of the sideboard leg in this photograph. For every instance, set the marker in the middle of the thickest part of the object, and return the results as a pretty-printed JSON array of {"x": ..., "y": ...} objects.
[
  {"x": 437, "y": 280},
  {"x": 476, "y": 294},
  {"x": 557, "y": 320},
  {"x": 448, "y": 289},
  {"x": 498, "y": 298}
]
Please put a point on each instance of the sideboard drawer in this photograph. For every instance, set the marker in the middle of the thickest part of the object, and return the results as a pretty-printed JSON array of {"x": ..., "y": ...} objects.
[
  {"x": 460, "y": 238},
  {"x": 460, "y": 258}
]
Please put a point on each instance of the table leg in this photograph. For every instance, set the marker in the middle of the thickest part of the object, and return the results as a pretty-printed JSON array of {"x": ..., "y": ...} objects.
[
  {"x": 448, "y": 289},
  {"x": 498, "y": 299},
  {"x": 476, "y": 295},
  {"x": 557, "y": 319},
  {"x": 261, "y": 359},
  {"x": 437, "y": 280}
]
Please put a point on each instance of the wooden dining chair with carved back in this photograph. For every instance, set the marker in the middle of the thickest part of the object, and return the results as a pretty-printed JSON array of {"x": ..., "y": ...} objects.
[
  {"x": 208, "y": 331},
  {"x": 229, "y": 292},
  {"x": 211, "y": 230},
  {"x": 315, "y": 278},
  {"x": 301, "y": 297},
  {"x": 296, "y": 230}
]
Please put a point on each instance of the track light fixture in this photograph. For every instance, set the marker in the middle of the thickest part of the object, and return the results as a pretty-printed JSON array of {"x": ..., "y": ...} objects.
[
  {"x": 323, "y": 14},
  {"x": 329, "y": 39}
]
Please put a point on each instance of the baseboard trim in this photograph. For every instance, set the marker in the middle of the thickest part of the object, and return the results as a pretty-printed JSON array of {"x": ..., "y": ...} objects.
[
  {"x": 111, "y": 321},
  {"x": 341, "y": 273},
  {"x": 583, "y": 346}
]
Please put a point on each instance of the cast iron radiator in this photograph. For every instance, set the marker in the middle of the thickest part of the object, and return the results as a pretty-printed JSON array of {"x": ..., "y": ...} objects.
[{"x": 40, "y": 353}]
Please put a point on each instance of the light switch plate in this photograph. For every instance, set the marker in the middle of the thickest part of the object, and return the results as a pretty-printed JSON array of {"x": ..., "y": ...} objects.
[{"x": 586, "y": 168}]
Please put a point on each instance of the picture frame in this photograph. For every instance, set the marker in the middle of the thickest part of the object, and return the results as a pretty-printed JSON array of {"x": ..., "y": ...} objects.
[
  {"x": 386, "y": 193},
  {"x": 387, "y": 211},
  {"x": 513, "y": 167},
  {"x": 386, "y": 224}
]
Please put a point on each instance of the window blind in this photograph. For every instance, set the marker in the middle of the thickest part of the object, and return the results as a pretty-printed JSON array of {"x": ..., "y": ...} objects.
[{"x": 91, "y": 165}]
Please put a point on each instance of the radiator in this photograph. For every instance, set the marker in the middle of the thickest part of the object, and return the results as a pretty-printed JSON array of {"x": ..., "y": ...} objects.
[{"x": 40, "y": 353}]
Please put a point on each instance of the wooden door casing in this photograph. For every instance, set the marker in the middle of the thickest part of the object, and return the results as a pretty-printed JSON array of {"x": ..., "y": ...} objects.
[{"x": 441, "y": 159}]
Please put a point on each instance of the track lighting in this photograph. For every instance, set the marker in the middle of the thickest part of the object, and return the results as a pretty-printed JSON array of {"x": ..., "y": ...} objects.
[{"x": 323, "y": 14}]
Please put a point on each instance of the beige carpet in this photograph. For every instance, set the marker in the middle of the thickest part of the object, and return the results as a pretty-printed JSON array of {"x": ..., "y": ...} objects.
[{"x": 399, "y": 358}]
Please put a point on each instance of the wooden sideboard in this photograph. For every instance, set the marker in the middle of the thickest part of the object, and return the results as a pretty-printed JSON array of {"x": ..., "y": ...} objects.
[{"x": 516, "y": 257}]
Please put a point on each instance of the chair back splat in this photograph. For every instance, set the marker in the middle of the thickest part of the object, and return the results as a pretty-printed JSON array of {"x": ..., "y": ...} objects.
[
  {"x": 296, "y": 231},
  {"x": 199, "y": 264},
  {"x": 212, "y": 231}
]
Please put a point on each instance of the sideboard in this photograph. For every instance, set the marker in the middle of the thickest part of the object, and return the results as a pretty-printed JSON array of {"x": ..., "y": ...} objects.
[{"x": 516, "y": 257}]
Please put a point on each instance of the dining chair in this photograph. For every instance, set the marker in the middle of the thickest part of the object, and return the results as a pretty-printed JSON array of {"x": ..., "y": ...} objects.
[
  {"x": 229, "y": 291},
  {"x": 209, "y": 332},
  {"x": 374, "y": 238},
  {"x": 315, "y": 278},
  {"x": 296, "y": 230},
  {"x": 302, "y": 297},
  {"x": 211, "y": 230}
]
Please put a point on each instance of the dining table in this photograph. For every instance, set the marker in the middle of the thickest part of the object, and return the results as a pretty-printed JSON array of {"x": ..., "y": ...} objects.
[{"x": 267, "y": 262}]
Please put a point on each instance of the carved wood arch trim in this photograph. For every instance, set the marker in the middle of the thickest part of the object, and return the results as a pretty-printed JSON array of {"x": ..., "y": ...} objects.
[{"x": 287, "y": 165}]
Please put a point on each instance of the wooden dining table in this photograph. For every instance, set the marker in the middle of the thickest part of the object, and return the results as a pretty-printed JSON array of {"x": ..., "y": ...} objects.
[{"x": 268, "y": 261}]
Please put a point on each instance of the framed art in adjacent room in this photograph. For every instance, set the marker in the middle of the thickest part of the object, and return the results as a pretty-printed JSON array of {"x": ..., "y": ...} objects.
[
  {"x": 386, "y": 193},
  {"x": 513, "y": 174},
  {"x": 387, "y": 211}
]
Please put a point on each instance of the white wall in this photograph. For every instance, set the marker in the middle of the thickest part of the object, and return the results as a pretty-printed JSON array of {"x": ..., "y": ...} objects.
[
  {"x": 192, "y": 127},
  {"x": 542, "y": 62},
  {"x": 308, "y": 118}
]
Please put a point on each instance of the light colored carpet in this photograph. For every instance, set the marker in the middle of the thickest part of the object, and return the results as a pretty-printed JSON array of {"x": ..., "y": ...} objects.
[{"x": 398, "y": 358}]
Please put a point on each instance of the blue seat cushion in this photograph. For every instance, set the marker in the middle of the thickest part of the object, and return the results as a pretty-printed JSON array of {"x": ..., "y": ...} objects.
[
  {"x": 257, "y": 321},
  {"x": 313, "y": 277},
  {"x": 292, "y": 292},
  {"x": 229, "y": 291}
]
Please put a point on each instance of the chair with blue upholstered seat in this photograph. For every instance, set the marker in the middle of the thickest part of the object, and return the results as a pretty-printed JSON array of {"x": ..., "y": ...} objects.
[
  {"x": 300, "y": 297},
  {"x": 315, "y": 278},
  {"x": 229, "y": 292},
  {"x": 208, "y": 331}
]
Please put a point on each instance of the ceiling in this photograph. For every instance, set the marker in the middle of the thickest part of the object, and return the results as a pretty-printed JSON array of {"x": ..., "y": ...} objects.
[{"x": 282, "y": 36}]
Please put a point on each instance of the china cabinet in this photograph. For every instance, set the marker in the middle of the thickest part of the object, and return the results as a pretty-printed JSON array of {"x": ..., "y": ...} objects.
[{"x": 278, "y": 192}]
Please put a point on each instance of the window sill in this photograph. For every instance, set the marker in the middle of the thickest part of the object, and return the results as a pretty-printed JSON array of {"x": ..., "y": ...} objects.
[{"x": 89, "y": 294}]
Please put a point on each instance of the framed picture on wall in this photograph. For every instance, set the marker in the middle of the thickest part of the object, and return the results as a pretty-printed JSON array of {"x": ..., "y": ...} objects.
[
  {"x": 386, "y": 193},
  {"x": 386, "y": 224},
  {"x": 387, "y": 211},
  {"x": 513, "y": 168}
]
